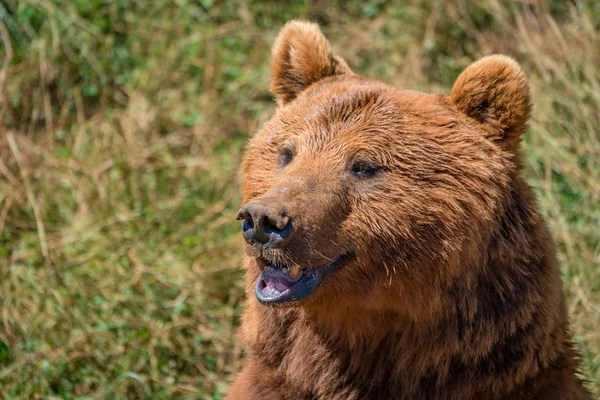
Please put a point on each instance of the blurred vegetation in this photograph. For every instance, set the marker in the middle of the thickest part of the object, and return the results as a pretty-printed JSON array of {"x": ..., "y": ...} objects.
[{"x": 122, "y": 125}]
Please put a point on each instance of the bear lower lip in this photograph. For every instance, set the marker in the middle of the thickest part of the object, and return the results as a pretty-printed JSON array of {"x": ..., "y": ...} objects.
[{"x": 276, "y": 287}]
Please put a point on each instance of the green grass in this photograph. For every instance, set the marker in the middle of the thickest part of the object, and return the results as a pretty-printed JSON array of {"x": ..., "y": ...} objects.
[{"x": 122, "y": 128}]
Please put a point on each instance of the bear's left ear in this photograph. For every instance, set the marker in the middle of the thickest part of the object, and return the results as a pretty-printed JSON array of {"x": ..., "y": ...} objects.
[
  {"x": 301, "y": 57},
  {"x": 494, "y": 91}
]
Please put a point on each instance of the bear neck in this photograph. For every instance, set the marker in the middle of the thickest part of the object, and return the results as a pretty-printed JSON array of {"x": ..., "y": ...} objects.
[{"x": 490, "y": 331}]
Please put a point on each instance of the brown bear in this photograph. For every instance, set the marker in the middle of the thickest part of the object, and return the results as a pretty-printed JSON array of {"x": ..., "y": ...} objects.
[{"x": 393, "y": 249}]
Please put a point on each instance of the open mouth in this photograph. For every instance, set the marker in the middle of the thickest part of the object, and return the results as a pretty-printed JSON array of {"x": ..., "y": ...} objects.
[{"x": 279, "y": 284}]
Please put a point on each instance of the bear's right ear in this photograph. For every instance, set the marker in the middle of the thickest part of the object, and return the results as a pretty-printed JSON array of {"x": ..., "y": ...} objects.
[{"x": 301, "y": 57}]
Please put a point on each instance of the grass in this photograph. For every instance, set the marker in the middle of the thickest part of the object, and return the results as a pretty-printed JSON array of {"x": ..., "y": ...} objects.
[{"x": 122, "y": 127}]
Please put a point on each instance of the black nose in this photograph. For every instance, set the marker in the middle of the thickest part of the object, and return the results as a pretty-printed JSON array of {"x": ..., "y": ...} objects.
[{"x": 265, "y": 222}]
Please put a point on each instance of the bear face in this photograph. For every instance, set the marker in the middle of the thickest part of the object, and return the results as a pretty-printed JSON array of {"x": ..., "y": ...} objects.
[{"x": 365, "y": 184}]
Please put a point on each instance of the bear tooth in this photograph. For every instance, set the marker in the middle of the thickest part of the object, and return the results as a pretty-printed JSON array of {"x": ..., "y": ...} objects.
[
  {"x": 284, "y": 270},
  {"x": 294, "y": 271}
]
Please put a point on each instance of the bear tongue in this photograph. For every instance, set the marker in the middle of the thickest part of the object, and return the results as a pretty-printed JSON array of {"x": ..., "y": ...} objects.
[
  {"x": 277, "y": 280},
  {"x": 276, "y": 283}
]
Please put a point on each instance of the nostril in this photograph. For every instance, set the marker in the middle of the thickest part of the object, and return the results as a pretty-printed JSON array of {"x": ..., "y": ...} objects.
[
  {"x": 277, "y": 236},
  {"x": 270, "y": 226},
  {"x": 247, "y": 225},
  {"x": 287, "y": 230}
]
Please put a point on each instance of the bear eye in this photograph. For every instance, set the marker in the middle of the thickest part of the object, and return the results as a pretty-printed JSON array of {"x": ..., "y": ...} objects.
[
  {"x": 363, "y": 169},
  {"x": 285, "y": 156}
]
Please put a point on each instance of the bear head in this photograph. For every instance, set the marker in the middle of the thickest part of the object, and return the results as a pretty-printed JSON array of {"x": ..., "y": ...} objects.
[{"x": 359, "y": 193}]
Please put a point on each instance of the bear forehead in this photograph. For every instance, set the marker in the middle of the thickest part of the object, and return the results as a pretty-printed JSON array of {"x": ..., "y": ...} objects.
[
  {"x": 352, "y": 107},
  {"x": 339, "y": 99}
]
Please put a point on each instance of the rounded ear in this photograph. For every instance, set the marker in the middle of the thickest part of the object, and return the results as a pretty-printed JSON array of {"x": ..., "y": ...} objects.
[
  {"x": 301, "y": 57},
  {"x": 494, "y": 91}
]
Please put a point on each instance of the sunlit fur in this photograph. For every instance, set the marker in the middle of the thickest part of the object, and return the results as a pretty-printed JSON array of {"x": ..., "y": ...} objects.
[{"x": 454, "y": 292}]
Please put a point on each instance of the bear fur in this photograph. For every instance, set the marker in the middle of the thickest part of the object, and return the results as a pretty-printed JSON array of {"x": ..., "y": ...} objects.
[{"x": 453, "y": 290}]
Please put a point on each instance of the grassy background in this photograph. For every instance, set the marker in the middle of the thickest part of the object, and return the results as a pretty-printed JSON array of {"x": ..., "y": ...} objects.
[{"x": 122, "y": 125}]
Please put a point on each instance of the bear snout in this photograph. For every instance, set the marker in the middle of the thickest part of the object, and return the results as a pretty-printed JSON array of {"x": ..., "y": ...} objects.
[{"x": 266, "y": 223}]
